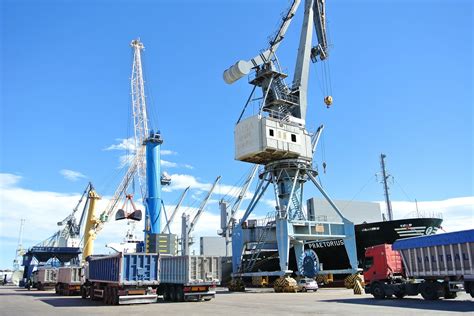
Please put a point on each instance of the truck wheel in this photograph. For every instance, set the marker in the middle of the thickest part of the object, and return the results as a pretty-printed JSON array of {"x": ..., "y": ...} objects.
[
  {"x": 166, "y": 293},
  {"x": 91, "y": 292},
  {"x": 377, "y": 290},
  {"x": 83, "y": 292},
  {"x": 107, "y": 295},
  {"x": 450, "y": 295},
  {"x": 57, "y": 289},
  {"x": 469, "y": 288},
  {"x": 179, "y": 293},
  {"x": 114, "y": 296},
  {"x": 172, "y": 291},
  {"x": 430, "y": 290}
]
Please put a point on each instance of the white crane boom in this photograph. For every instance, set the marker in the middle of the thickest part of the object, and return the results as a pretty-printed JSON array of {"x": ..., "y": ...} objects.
[
  {"x": 202, "y": 206},
  {"x": 140, "y": 118},
  {"x": 119, "y": 192},
  {"x": 242, "y": 68},
  {"x": 170, "y": 220},
  {"x": 241, "y": 196}
]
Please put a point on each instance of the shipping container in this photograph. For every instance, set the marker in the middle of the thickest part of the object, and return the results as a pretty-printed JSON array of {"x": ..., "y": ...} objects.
[{"x": 187, "y": 270}]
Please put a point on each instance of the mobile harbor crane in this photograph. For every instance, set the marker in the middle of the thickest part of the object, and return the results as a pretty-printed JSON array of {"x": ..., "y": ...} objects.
[
  {"x": 128, "y": 278},
  {"x": 277, "y": 139}
]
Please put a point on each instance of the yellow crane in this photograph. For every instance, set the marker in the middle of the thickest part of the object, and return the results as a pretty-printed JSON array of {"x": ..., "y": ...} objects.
[{"x": 91, "y": 222}]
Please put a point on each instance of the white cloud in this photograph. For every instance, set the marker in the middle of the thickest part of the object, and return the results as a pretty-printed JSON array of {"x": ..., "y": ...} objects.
[
  {"x": 182, "y": 181},
  {"x": 7, "y": 180},
  {"x": 168, "y": 164},
  {"x": 124, "y": 144},
  {"x": 128, "y": 145},
  {"x": 72, "y": 175},
  {"x": 167, "y": 152}
]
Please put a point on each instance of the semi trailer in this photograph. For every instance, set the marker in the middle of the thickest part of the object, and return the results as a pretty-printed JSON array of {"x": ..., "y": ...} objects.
[
  {"x": 122, "y": 278},
  {"x": 69, "y": 280},
  {"x": 43, "y": 279},
  {"x": 184, "y": 278},
  {"x": 134, "y": 278},
  {"x": 434, "y": 266}
]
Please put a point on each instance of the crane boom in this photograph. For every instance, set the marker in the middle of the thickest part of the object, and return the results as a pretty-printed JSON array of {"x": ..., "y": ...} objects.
[
  {"x": 119, "y": 192},
  {"x": 170, "y": 220},
  {"x": 241, "y": 196},
  {"x": 202, "y": 206},
  {"x": 242, "y": 67},
  {"x": 140, "y": 117}
]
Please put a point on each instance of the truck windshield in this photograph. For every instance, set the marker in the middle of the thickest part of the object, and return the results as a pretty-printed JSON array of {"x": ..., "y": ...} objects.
[{"x": 368, "y": 262}]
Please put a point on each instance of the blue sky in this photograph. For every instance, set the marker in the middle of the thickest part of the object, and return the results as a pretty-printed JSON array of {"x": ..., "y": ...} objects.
[{"x": 402, "y": 81}]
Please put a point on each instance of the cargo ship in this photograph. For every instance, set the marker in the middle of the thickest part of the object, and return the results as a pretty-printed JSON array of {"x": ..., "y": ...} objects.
[
  {"x": 368, "y": 233},
  {"x": 372, "y": 227},
  {"x": 332, "y": 253}
]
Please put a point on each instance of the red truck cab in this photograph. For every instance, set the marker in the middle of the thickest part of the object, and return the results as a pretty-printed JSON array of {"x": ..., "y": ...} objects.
[{"x": 382, "y": 263}]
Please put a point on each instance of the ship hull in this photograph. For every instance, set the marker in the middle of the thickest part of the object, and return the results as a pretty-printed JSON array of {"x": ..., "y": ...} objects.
[{"x": 332, "y": 253}]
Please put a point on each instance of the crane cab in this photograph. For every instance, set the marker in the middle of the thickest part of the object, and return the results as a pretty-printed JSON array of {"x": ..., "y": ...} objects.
[{"x": 262, "y": 140}]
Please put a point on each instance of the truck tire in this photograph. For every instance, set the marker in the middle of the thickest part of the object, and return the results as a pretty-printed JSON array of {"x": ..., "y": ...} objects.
[
  {"x": 57, "y": 290},
  {"x": 377, "y": 290},
  {"x": 107, "y": 295},
  {"x": 400, "y": 294},
  {"x": 179, "y": 293},
  {"x": 172, "y": 290},
  {"x": 115, "y": 296},
  {"x": 166, "y": 293},
  {"x": 83, "y": 292},
  {"x": 91, "y": 292},
  {"x": 469, "y": 288},
  {"x": 431, "y": 290}
]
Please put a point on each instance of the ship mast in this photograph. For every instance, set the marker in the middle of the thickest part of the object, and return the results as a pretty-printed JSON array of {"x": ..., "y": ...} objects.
[{"x": 385, "y": 176}]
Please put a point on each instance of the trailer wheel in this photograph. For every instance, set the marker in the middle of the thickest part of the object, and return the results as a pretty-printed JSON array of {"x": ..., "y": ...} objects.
[
  {"x": 172, "y": 290},
  {"x": 469, "y": 288},
  {"x": 377, "y": 290},
  {"x": 431, "y": 290},
  {"x": 166, "y": 293},
  {"x": 114, "y": 296},
  {"x": 92, "y": 292},
  {"x": 179, "y": 293},
  {"x": 107, "y": 295},
  {"x": 83, "y": 292}
]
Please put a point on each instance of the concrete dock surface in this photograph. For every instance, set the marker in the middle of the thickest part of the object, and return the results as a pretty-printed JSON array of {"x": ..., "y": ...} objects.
[{"x": 16, "y": 301}]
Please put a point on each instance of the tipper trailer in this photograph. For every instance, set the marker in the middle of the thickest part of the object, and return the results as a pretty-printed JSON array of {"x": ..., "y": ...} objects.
[
  {"x": 69, "y": 280},
  {"x": 184, "y": 278},
  {"x": 133, "y": 278},
  {"x": 43, "y": 278},
  {"x": 434, "y": 266},
  {"x": 122, "y": 278}
]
